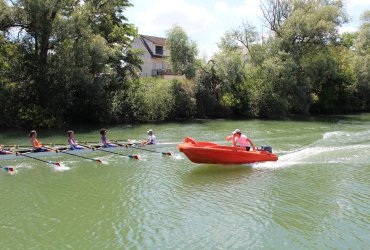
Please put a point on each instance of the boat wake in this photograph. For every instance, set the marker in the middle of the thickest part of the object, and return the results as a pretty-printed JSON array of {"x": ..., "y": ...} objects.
[
  {"x": 61, "y": 168},
  {"x": 23, "y": 166},
  {"x": 178, "y": 157},
  {"x": 336, "y": 147}
]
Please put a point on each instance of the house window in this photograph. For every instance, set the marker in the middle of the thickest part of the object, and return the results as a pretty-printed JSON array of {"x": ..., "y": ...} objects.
[{"x": 159, "y": 50}]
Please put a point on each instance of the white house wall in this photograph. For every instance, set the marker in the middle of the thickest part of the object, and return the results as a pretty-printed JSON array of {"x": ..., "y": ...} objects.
[
  {"x": 146, "y": 67},
  {"x": 149, "y": 63}
]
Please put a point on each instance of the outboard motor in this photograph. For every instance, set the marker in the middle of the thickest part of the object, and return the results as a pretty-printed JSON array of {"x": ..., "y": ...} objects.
[{"x": 266, "y": 148}]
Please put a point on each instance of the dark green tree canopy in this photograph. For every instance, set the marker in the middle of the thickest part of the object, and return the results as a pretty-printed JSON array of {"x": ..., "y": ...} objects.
[
  {"x": 74, "y": 52},
  {"x": 64, "y": 61}
]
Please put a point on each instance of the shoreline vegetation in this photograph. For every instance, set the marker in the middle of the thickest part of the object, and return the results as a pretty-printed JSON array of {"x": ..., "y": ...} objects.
[{"x": 70, "y": 63}]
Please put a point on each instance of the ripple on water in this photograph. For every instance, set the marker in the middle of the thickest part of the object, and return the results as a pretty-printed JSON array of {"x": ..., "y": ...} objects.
[{"x": 315, "y": 196}]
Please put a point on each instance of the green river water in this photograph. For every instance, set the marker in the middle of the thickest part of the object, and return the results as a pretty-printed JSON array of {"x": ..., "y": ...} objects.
[{"x": 316, "y": 196}]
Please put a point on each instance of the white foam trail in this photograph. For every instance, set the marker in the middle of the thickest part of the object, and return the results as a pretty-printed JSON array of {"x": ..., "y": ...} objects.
[
  {"x": 17, "y": 167},
  {"x": 314, "y": 155},
  {"x": 106, "y": 159},
  {"x": 177, "y": 157},
  {"x": 335, "y": 134},
  {"x": 104, "y": 162},
  {"x": 23, "y": 165},
  {"x": 61, "y": 168},
  {"x": 341, "y": 137},
  {"x": 14, "y": 172}
]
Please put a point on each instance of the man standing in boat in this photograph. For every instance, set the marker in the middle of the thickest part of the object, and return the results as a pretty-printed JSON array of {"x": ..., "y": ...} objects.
[{"x": 241, "y": 140}]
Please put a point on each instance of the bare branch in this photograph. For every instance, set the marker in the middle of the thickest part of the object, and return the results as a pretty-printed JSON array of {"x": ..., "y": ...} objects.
[
  {"x": 247, "y": 35},
  {"x": 12, "y": 2},
  {"x": 275, "y": 12}
]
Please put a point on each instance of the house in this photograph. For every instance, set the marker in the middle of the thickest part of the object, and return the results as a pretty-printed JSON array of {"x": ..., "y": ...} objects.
[{"x": 154, "y": 57}]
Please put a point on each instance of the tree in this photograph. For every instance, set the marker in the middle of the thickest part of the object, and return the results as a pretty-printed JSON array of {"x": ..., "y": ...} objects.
[
  {"x": 295, "y": 65},
  {"x": 207, "y": 91},
  {"x": 302, "y": 28},
  {"x": 362, "y": 62},
  {"x": 184, "y": 105},
  {"x": 183, "y": 52},
  {"x": 347, "y": 39},
  {"x": 275, "y": 13},
  {"x": 247, "y": 36},
  {"x": 230, "y": 69},
  {"x": 74, "y": 52},
  {"x": 363, "y": 39}
]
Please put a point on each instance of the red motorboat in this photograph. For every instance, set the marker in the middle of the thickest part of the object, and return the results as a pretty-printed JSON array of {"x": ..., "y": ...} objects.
[{"x": 212, "y": 153}]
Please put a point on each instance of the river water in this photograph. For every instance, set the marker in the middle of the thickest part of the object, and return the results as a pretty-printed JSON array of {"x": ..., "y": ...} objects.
[{"x": 316, "y": 196}]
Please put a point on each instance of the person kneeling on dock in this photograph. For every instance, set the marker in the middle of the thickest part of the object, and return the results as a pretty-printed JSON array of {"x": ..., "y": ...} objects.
[
  {"x": 37, "y": 146},
  {"x": 104, "y": 140},
  {"x": 72, "y": 142}
]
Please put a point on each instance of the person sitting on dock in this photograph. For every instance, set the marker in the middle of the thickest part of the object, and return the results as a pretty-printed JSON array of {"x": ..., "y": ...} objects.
[
  {"x": 152, "y": 139},
  {"x": 3, "y": 151},
  {"x": 104, "y": 140},
  {"x": 72, "y": 141},
  {"x": 37, "y": 146},
  {"x": 240, "y": 140}
]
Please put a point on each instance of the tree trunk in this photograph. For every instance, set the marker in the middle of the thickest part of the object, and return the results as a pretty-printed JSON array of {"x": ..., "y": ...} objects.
[{"x": 42, "y": 75}]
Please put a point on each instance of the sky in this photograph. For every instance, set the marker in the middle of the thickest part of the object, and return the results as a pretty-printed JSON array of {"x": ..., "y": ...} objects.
[{"x": 206, "y": 21}]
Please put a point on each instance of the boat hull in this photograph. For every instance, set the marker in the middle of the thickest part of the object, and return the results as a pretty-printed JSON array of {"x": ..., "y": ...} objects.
[{"x": 210, "y": 153}]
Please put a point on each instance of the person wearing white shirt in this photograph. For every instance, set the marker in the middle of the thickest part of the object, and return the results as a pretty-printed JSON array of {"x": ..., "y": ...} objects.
[
  {"x": 241, "y": 140},
  {"x": 152, "y": 139}
]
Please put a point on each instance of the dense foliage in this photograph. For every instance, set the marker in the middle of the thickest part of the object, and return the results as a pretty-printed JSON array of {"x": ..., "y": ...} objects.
[
  {"x": 183, "y": 52},
  {"x": 62, "y": 60},
  {"x": 304, "y": 66},
  {"x": 70, "y": 61}
]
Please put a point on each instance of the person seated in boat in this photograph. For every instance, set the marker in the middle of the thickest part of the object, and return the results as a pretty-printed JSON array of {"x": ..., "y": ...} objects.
[
  {"x": 104, "y": 140},
  {"x": 3, "y": 151},
  {"x": 152, "y": 139},
  {"x": 72, "y": 141},
  {"x": 37, "y": 146},
  {"x": 240, "y": 140}
]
